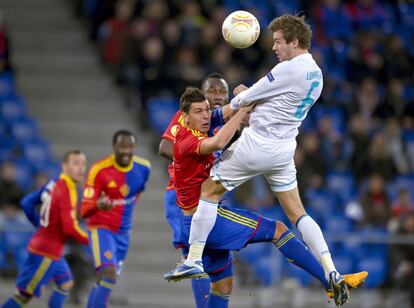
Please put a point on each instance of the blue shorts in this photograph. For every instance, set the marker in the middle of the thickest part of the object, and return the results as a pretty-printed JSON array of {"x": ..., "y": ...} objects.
[
  {"x": 174, "y": 216},
  {"x": 38, "y": 271},
  {"x": 233, "y": 230},
  {"x": 108, "y": 248}
]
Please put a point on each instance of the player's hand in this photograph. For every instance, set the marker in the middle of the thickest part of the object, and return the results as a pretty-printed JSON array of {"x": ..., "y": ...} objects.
[
  {"x": 104, "y": 203},
  {"x": 240, "y": 88}
]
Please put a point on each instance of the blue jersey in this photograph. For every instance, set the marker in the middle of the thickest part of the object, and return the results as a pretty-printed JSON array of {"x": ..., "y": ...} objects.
[{"x": 40, "y": 196}]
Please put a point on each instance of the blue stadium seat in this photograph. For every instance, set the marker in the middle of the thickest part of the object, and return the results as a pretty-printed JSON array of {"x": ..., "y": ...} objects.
[
  {"x": 7, "y": 147},
  {"x": 7, "y": 87},
  {"x": 24, "y": 130},
  {"x": 13, "y": 108},
  {"x": 160, "y": 112},
  {"x": 377, "y": 269},
  {"x": 23, "y": 173},
  {"x": 338, "y": 225},
  {"x": 344, "y": 264},
  {"x": 38, "y": 154},
  {"x": 343, "y": 183}
]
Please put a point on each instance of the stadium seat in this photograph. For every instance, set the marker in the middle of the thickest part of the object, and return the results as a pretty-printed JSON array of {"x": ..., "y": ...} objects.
[
  {"x": 344, "y": 264},
  {"x": 24, "y": 130},
  {"x": 7, "y": 87},
  {"x": 160, "y": 112},
  {"x": 7, "y": 147},
  {"x": 38, "y": 154},
  {"x": 342, "y": 183},
  {"x": 23, "y": 173},
  {"x": 13, "y": 108},
  {"x": 338, "y": 225},
  {"x": 377, "y": 269}
]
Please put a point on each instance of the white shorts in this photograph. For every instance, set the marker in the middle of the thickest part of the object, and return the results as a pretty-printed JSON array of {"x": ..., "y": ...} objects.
[{"x": 252, "y": 155}]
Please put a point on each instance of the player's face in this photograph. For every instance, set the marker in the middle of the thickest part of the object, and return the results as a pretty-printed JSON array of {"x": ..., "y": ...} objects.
[
  {"x": 124, "y": 150},
  {"x": 284, "y": 51},
  {"x": 75, "y": 167},
  {"x": 216, "y": 91},
  {"x": 199, "y": 116}
]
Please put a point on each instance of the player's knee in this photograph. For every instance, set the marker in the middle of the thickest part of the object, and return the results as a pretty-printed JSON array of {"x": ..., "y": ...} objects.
[
  {"x": 108, "y": 272},
  {"x": 22, "y": 297},
  {"x": 279, "y": 230},
  {"x": 224, "y": 286},
  {"x": 212, "y": 190},
  {"x": 66, "y": 286}
]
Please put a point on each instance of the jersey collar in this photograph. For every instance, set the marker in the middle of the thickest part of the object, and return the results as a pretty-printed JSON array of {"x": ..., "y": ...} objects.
[
  {"x": 119, "y": 167},
  {"x": 67, "y": 179}
]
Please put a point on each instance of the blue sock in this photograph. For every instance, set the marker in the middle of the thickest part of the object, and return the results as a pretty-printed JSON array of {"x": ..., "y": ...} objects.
[
  {"x": 91, "y": 297},
  {"x": 57, "y": 299},
  {"x": 217, "y": 300},
  {"x": 102, "y": 293},
  {"x": 12, "y": 302},
  {"x": 297, "y": 253},
  {"x": 201, "y": 289}
]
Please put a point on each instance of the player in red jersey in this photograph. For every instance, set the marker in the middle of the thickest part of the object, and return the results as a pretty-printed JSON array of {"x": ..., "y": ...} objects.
[
  {"x": 58, "y": 222},
  {"x": 111, "y": 192},
  {"x": 216, "y": 90}
]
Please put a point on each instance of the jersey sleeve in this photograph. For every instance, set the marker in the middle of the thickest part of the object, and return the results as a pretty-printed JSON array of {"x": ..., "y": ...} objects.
[
  {"x": 91, "y": 193},
  {"x": 29, "y": 203},
  {"x": 216, "y": 119},
  {"x": 171, "y": 130},
  {"x": 67, "y": 200},
  {"x": 279, "y": 80},
  {"x": 188, "y": 143}
]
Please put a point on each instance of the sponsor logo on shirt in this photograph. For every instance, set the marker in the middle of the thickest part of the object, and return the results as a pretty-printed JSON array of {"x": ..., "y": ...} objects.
[
  {"x": 112, "y": 184},
  {"x": 124, "y": 190},
  {"x": 116, "y": 202},
  {"x": 88, "y": 193}
]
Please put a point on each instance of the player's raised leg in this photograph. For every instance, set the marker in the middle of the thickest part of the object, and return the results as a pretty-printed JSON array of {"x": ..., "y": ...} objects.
[{"x": 313, "y": 237}]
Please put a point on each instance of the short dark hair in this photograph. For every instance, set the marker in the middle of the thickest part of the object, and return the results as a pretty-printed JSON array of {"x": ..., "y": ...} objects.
[
  {"x": 293, "y": 27},
  {"x": 67, "y": 155},
  {"x": 191, "y": 95},
  {"x": 214, "y": 75},
  {"x": 123, "y": 132}
]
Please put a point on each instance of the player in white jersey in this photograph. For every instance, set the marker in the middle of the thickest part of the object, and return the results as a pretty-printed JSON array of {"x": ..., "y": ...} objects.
[{"x": 283, "y": 98}]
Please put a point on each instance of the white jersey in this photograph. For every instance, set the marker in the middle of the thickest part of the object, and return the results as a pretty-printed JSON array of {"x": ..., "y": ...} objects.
[{"x": 284, "y": 97}]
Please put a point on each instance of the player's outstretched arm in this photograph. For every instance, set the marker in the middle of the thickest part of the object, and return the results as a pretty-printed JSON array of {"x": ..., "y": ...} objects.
[
  {"x": 166, "y": 148},
  {"x": 224, "y": 135}
]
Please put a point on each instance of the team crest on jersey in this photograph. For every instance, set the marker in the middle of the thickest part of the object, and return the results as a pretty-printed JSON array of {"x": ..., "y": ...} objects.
[
  {"x": 174, "y": 130},
  {"x": 124, "y": 190},
  {"x": 108, "y": 254},
  {"x": 270, "y": 77},
  {"x": 112, "y": 184},
  {"x": 88, "y": 193}
]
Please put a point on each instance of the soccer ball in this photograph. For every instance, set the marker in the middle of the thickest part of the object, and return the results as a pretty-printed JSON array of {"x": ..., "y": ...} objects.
[{"x": 240, "y": 29}]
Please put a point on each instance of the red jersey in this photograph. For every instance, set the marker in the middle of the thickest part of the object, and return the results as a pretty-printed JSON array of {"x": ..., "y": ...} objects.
[
  {"x": 191, "y": 168},
  {"x": 169, "y": 134},
  {"x": 122, "y": 185},
  {"x": 58, "y": 221}
]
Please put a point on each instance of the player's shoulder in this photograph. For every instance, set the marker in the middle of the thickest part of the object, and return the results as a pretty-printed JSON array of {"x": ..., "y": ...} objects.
[
  {"x": 142, "y": 161},
  {"x": 99, "y": 166}
]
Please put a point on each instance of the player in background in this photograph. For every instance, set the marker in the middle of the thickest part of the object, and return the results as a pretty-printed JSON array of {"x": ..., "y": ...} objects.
[
  {"x": 234, "y": 228},
  {"x": 112, "y": 189},
  {"x": 216, "y": 90},
  {"x": 56, "y": 223},
  {"x": 283, "y": 98}
]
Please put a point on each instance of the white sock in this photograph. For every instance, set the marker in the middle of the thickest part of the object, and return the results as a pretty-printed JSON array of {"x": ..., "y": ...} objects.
[
  {"x": 202, "y": 223},
  {"x": 313, "y": 237}
]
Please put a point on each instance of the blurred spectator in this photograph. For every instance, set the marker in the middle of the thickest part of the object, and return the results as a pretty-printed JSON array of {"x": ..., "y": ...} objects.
[
  {"x": 375, "y": 203},
  {"x": 114, "y": 31},
  {"x": 4, "y": 46},
  {"x": 375, "y": 160},
  {"x": 396, "y": 146},
  {"x": 403, "y": 205},
  {"x": 399, "y": 62},
  {"x": 402, "y": 258},
  {"x": 10, "y": 192}
]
